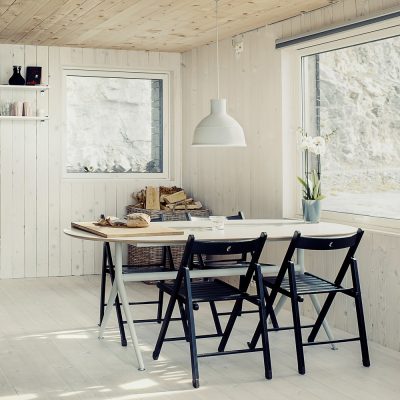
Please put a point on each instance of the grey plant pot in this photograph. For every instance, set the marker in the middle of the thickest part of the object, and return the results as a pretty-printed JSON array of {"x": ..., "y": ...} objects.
[{"x": 311, "y": 210}]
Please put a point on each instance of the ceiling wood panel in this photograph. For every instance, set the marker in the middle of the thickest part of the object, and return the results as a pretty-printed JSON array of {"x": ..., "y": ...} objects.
[{"x": 164, "y": 25}]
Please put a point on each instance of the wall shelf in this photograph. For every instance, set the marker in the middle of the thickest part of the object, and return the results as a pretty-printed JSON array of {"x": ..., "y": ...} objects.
[
  {"x": 42, "y": 88},
  {"x": 16, "y": 118}
]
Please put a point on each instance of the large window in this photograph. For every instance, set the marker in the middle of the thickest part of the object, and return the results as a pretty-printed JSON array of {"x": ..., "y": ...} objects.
[
  {"x": 355, "y": 91},
  {"x": 115, "y": 122}
]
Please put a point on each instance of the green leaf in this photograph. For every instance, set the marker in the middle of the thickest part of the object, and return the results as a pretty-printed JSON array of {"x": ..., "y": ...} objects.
[
  {"x": 307, "y": 189},
  {"x": 302, "y": 181},
  {"x": 316, "y": 190}
]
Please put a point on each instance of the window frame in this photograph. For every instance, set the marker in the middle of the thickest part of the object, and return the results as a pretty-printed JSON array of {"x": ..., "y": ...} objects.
[
  {"x": 293, "y": 100},
  {"x": 121, "y": 73}
]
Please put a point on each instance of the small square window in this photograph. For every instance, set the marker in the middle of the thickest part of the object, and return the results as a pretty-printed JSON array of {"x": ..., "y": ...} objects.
[{"x": 115, "y": 123}]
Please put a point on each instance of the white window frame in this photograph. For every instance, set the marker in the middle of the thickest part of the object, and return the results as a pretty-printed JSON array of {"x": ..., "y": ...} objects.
[
  {"x": 122, "y": 73},
  {"x": 292, "y": 111}
]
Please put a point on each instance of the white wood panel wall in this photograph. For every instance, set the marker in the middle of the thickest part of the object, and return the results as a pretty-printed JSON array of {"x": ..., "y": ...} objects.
[
  {"x": 36, "y": 201},
  {"x": 250, "y": 179}
]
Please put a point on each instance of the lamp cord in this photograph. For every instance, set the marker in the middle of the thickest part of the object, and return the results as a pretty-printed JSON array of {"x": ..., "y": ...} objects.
[{"x": 216, "y": 29}]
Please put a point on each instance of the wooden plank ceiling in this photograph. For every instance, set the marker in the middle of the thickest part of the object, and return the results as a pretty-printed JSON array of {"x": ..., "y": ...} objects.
[{"x": 163, "y": 25}]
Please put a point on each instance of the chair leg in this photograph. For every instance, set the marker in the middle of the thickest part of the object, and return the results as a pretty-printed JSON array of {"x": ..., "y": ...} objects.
[
  {"x": 192, "y": 331},
  {"x": 110, "y": 302},
  {"x": 160, "y": 306},
  {"x": 164, "y": 326},
  {"x": 170, "y": 257},
  {"x": 321, "y": 317},
  {"x": 253, "y": 342},
  {"x": 184, "y": 320},
  {"x": 296, "y": 320},
  {"x": 263, "y": 320},
  {"x": 242, "y": 285},
  {"x": 360, "y": 314},
  {"x": 120, "y": 320},
  {"x": 229, "y": 326},
  {"x": 103, "y": 284},
  {"x": 271, "y": 311},
  {"x": 217, "y": 322}
]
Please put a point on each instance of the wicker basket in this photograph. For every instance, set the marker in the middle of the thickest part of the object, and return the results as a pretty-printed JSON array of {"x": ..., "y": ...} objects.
[{"x": 142, "y": 256}]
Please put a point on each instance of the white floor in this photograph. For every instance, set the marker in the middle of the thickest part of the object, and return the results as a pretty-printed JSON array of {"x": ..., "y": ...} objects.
[{"x": 49, "y": 350}]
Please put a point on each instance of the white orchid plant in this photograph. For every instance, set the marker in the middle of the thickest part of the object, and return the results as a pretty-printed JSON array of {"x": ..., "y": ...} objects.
[{"x": 312, "y": 177}]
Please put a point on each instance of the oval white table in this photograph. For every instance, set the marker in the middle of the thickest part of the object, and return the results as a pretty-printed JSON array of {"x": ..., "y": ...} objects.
[{"x": 277, "y": 230}]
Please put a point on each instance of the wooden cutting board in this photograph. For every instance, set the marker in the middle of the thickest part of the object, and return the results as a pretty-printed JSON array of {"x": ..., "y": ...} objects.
[{"x": 113, "y": 232}]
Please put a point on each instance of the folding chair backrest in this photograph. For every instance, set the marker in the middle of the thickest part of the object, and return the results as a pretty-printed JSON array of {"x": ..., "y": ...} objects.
[
  {"x": 311, "y": 243},
  {"x": 322, "y": 244},
  {"x": 223, "y": 248}
]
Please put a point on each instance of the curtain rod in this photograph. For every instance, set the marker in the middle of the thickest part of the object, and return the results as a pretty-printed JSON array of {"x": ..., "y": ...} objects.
[{"x": 285, "y": 42}]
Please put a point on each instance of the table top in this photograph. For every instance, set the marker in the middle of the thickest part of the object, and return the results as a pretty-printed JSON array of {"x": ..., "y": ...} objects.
[{"x": 276, "y": 229}]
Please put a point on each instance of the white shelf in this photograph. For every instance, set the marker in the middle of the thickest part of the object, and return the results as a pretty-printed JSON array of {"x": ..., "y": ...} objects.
[
  {"x": 42, "y": 88},
  {"x": 15, "y": 118}
]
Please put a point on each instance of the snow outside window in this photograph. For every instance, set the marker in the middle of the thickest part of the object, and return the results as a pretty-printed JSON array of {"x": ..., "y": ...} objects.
[
  {"x": 114, "y": 122},
  {"x": 355, "y": 91}
]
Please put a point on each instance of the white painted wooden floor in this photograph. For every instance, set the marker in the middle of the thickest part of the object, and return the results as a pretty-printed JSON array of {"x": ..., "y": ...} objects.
[{"x": 49, "y": 350}]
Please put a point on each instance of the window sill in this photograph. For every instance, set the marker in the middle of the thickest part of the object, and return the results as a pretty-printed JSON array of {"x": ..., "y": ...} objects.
[{"x": 373, "y": 224}]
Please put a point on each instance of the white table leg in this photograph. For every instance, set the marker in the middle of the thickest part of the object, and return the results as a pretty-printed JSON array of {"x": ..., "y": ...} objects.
[
  {"x": 315, "y": 301},
  {"x": 109, "y": 308},
  {"x": 125, "y": 303}
]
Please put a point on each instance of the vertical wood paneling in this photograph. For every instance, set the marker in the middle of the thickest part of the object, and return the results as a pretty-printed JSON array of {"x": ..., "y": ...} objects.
[
  {"x": 42, "y": 174},
  {"x": 350, "y": 9},
  {"x": 362, "y": 7},
  {"x": 6, "y": 138},
  {"x": 18, "y": 178},
  {"x": 30, "y": 176},
  {"x": 99, "y": 208},
  {"x": 236, "y": 178},
  {"x": 338, "y": 12},
  {"x": 65, "y": 221},
  {"x": 37, "y": 201},
  {"x": 88, "y": 202},
  {"x": 58, "y": 242},
  {"x": 77, "y": 214}
]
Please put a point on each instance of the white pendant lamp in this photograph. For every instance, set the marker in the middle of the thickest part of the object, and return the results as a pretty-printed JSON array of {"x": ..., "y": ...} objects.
[{"x": 218, "y": 128}]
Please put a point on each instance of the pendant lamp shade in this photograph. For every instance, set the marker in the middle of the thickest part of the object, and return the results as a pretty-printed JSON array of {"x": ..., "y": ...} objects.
[{"x": 218, "y": 128}]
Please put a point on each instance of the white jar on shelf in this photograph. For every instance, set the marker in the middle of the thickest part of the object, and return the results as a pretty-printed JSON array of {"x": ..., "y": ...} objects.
[{"x": 27, "y": 112}]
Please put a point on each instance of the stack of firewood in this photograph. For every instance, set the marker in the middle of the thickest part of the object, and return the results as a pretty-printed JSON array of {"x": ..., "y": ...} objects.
[{"x": 165, "y": 198}]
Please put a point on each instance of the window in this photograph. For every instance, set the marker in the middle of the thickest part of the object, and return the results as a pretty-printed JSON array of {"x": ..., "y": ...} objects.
[
  {"x": 115, "y": 123},
  {"x": 356, "y": 91}
]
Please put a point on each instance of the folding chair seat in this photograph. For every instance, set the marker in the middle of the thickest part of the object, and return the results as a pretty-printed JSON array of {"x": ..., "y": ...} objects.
[
  {"x": 167, "y": 263},
  {"x": 296, "y": 285},
  {"x": 220, "y": 262},
  {"x": 185, "y": 292}
]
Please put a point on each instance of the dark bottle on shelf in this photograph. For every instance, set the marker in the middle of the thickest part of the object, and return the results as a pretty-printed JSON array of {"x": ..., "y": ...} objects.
[{"x": 16, "y": 78}]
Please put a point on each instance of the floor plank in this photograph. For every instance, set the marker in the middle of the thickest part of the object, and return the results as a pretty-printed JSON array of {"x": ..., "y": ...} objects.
[{"x": 49, "y": 350}]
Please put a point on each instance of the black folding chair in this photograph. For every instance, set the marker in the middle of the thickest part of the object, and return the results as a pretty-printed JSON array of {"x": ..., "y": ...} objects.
[
  {"x": 295, "y": 286},
  {"x": 167, "y": 263},
  {"x": 185, "y": 292}
]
